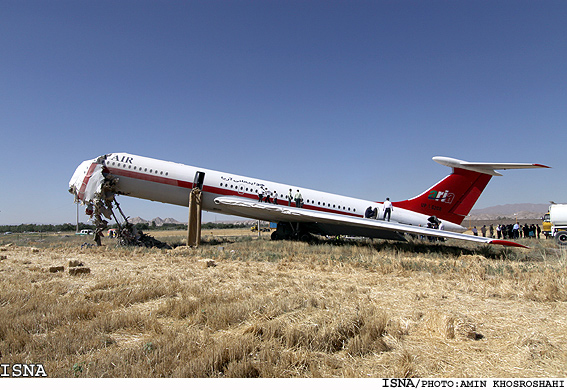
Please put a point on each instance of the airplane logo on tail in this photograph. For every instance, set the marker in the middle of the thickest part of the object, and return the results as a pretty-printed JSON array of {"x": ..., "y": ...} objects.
[{"x": 442, "y": 196}]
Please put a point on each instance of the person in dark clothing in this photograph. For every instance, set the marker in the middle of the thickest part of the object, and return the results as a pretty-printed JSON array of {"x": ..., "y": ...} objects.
[
  {"x": 434, "y": 221},
  {"x": 510, "y": 230}
]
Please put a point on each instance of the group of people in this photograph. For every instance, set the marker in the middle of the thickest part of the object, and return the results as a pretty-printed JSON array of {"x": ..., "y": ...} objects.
[
  {"x": 265, "y": 195},
  {"x": 510, "y": 231}
]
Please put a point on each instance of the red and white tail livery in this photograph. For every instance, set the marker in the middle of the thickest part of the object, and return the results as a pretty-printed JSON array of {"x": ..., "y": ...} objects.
[{"x": 298, "y": 211}]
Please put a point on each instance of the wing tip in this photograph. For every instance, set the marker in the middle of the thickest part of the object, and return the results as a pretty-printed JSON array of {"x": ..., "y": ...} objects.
[{"x": 508, "y": 243}]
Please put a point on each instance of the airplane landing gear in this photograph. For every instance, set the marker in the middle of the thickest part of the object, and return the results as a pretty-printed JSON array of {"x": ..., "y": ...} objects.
[{"x": 291, "y": 231}]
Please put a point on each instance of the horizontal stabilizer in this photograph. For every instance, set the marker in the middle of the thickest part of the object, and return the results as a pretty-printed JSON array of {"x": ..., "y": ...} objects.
[{"x": 486, "y": 168}]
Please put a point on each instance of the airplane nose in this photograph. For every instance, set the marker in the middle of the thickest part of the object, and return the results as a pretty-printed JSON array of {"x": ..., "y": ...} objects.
[{"x": 80, "y": 179}]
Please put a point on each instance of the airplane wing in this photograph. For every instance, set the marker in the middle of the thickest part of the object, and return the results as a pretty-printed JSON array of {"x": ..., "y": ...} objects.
[{"x": 357, "y": 225}]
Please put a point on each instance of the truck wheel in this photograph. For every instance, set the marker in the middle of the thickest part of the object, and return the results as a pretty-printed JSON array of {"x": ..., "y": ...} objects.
[{"x": 561, "y": 238}]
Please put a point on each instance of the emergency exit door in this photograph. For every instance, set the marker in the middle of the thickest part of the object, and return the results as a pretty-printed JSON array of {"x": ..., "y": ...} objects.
[{"x": 199, "y": 180}]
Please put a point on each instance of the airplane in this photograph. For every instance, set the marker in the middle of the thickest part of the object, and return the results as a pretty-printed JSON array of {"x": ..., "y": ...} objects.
[{"x": 446, "y": 203}]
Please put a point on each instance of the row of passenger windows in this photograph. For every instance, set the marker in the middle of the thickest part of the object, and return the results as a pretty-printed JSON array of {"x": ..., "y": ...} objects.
[
  {"x": 232, "y": 186},
  {"x": 141, "y": 169},
  {"x": 307, "y": 201}
]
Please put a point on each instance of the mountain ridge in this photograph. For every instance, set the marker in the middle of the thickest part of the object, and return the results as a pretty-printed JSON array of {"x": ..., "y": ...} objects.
[
  {"x": 162, "y": 221},
  {"x": 512, "y": 211}
]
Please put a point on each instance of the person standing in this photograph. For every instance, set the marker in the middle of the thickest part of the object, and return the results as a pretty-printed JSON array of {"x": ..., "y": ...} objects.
[
  {"x": 289, "y": 197},
  {"x": 298, "y": 199},
  {"x": 260, "y": 195},
  {"x": 516, "y": 231},
  {"x": 387, "y": 209}
]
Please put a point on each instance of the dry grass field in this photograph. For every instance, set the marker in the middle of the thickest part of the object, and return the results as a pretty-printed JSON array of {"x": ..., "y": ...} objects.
[{"x": 249, "y": 307}]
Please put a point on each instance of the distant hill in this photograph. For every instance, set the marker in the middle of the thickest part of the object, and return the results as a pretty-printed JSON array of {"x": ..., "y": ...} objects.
[
  {"x": 158, "y": 221},
  {"x": 511, "y": 211}
]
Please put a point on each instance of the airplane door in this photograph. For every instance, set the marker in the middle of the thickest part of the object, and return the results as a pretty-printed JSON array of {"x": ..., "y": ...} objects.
[{"x": 199, "y": 180}]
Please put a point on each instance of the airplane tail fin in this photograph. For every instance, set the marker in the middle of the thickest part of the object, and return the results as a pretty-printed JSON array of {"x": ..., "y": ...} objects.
[{"x": 453, "y": 197}]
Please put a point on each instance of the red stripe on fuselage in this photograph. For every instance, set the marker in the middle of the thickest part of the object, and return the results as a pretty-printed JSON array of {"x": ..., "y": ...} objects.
[
  {"x": 81, "y": 194},
  {"x": 213, "y": 190},
  {"x": 152, "y": 178}
]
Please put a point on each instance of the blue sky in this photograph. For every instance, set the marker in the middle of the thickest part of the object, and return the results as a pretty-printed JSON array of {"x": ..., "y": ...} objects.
[{"x": 352, "y": 97}]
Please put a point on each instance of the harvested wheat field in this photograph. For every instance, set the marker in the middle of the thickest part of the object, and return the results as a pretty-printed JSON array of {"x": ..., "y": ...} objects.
[{"x": 250, "y": 307}]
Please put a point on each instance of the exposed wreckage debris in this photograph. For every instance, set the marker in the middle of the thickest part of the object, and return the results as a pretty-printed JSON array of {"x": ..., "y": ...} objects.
[{"x": 95, "y": 188}]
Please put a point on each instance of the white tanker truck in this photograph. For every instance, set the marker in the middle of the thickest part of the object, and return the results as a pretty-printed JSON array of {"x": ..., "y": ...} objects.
[{"x": 558, "y": 220}]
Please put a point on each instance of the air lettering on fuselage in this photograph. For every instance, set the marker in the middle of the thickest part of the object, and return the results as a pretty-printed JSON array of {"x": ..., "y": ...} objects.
[{"x": 122, "y": 159}]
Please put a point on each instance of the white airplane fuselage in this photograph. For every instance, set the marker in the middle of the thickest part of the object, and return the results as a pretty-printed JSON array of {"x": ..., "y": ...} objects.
[
  {"x": 170, "y": 182},
  {"x": 436, "y": 212}
]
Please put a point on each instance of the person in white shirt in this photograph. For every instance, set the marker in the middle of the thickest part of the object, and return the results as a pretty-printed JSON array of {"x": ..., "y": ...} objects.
[
  {"x": 387, "y": 209},
  {"x": 261, "y": 194},
  {"x": 298, "y": 199}
]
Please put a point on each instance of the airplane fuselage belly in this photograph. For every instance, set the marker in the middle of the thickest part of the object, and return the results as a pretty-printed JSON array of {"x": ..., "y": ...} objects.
[{"x": 158, "y": 192}]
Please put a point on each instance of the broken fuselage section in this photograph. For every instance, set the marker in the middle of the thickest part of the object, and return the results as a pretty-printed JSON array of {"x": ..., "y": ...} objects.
[{"x": 96, "y": 188}]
